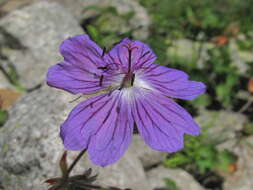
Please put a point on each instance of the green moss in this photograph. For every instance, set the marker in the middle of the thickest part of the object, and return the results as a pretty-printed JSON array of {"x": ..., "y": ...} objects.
[
  {"x": 170, "y": 184},
  {"x": 200, "y": 152}
]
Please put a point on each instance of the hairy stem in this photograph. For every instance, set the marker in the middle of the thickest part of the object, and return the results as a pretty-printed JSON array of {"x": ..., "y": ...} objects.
[{"x": 75, "y": 161}]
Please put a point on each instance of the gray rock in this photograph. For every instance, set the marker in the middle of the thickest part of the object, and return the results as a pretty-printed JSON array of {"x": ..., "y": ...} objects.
[
  {"x": 242, "y": 178},
  {"x": 189, "y": 50},
  {"x": 140, "y": 20},
  {"x": 126, "y": 173},
  {"x": 4, "y": 83},
  {"x": 148, "y": 156},
  {"x": 240, "y": 58},
  {"x": 183, "y": 180},
  {"x": 31, "y": 148},
  {"x": 222, "y": 125},
  {"x": 38, "y": 29}
]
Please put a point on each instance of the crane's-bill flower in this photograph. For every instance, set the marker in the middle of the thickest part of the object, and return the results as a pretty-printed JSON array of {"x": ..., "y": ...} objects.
[{"x": 134, "y": 91}]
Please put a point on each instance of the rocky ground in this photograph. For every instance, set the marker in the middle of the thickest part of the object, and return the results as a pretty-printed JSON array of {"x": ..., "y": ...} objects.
[{"x": 30, "y": 33}]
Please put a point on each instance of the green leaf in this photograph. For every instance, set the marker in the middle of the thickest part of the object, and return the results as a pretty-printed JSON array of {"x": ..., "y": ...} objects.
[
  {"x": 202, "y": 101},
  {"x": 3, "y": 117},
  {"x": 224, "y": 160},
  {"x": 176, "y": 160},
  {"x": 205, "y": 158},
  {"x": 191, "y": 16},
  {"x": 93, "y": 32},
  {"x": 63, "y": 164}
]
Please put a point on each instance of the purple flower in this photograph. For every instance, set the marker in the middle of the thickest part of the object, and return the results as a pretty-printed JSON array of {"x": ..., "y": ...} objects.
[{"x": 134, "y": 91}]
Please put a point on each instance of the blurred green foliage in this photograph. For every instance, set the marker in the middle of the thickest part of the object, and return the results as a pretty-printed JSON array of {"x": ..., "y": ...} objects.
[
  {"x": 12, "y": 76},
  {"x": 180, "y": 32},
  {"x": 225, "y": 78},
  {"x": 186, "y": 18},
  {"x": 248, "y": 128},
  {"x": 198, "y": 22},
  {"x": 3, "y": 117},
  {"x": 108, "y": 26},
  {"x": 200, "y": 153},
  {"x": 170, "y": 184}
]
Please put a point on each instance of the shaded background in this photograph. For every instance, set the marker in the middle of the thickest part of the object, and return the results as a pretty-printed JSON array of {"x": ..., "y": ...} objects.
[{"x": 210, "y": 40}]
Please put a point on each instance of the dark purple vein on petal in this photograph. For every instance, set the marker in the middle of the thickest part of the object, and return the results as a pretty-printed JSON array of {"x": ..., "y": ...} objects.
[
  {"x": 119, "y": 56},
  {"x": 138, "y": 61},
  {"x": 148, "y": 59},
  {"x": 94, "y": 113},
  {"x": 155, "y": 125},
  {"x": 158, "y": 74},
  {"x": 140, "y": 118},
  {"x": 107, "y": 116},
  {"x": 102, "y": 96},
  {"x": 112, "y": 59},
  {"x": 171, "y": 123}
]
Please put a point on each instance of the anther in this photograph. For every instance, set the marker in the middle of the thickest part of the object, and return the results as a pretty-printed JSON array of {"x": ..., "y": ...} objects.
[
  {"x": 104, "y": 50},
  {"x": 75, "y": 99},
  {"x": 132, "y": 80},
  {"x": 121, "y": 86},
  {"x": 101, "y": 80},
  {"x": 102, "y": 68},
  {"x": 129, "y": 60}
]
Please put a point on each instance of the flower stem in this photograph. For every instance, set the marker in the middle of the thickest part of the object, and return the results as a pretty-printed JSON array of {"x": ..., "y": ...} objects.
[{"x": 75, "y": 161}]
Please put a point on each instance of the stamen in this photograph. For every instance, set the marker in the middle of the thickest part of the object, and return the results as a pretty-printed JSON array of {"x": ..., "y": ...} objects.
[
  {"x": 130, "y": 49},
  {"x": 102, "y": 68},
  {"x": 75, "y": 99},
  {"x": 121, "y": 86},
  {"x": 101, "y": 80},
  {"x": 104, "y": 50},
  {"x": 132, "y": 79},
  {"x": 129, "y": 59}
]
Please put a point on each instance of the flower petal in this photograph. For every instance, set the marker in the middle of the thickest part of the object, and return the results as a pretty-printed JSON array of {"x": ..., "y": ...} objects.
[
  {"x": 79, "y": 72},
  {"x": 100, "y": 124},
  {"x": 82, "y": 121},
  {"x": 82, "y": 52},
  {"x": 73, "y": 79},
  {"x": 172, "y": 83},
  {"x": 161, "y": 122},
  {"x": 112, "y": 139},
  {"x": 131, "y": 53}
]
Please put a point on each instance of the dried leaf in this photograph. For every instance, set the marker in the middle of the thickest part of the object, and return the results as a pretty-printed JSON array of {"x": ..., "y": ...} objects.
[
  {"x": 232, "y": 168},
  {"x": 220, "y": 40},
  {"x": 52, "y": 181},
  {"x": 250, "y": 85},
  {"x": 64, "y": 164},
  {"x": 8, "y": 98}
]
